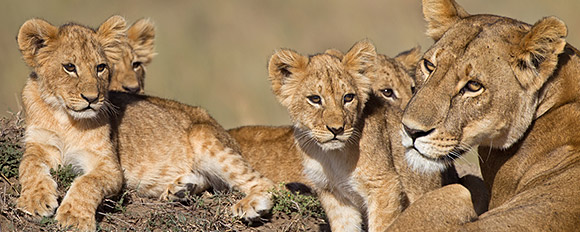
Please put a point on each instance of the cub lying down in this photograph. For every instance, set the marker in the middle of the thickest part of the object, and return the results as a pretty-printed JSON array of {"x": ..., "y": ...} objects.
[{"x": 342, "y": 144}]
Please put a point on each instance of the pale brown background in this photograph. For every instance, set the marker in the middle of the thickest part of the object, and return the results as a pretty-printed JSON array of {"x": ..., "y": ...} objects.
[{"x": 214, "y": 53}]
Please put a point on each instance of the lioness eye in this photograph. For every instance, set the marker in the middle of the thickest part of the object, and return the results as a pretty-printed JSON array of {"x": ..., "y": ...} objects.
[
  {"x": 101, "y": 67},
  {"x": 69, "y": 67},
  {"x": 136, "y": 64},
  {"x": 473, "y": 86},
  {"x": 348, "y": 98},
  {"x": 388, "y": 92},
  {"x": 315, "y": 99},
  {"x": 428, "y": 66}
]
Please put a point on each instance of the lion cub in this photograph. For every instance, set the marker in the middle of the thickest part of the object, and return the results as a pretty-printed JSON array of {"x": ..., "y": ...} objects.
[
  {"x": 341, "y": 139},
  {"x": 67, "y": 118},
  {"x": 137, "y": 47}
]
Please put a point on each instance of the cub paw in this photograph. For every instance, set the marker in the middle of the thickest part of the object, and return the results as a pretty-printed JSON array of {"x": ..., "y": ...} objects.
[
  {"x": 72, "y": 215},
  {"x": 39, "y": 201},
  {"x": 253, "y": 206},
  {"x": 190, "y": 184}
]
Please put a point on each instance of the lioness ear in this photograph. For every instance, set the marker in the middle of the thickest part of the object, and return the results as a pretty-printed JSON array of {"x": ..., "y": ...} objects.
[
  {"x": 141, "y": 37},
  {"x": 283, "y": 68},
  {"x": 33, "y": 35},
  {"x": 536, "y": 56},
  {"x": 110, "y": 35},
  {"x": 334, "y": 52},
  {"x": 441, "y": 15},
  {"x": 410, "y": 58}
]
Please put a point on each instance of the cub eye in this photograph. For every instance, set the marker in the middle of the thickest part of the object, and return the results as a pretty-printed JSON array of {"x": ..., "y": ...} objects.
[
  {"x": 472, "y": 86},
  {"x": 101, "y": 67},
  {"x": 69, "y": 67},
  {"x": 428, "y": 66},
  {"x": 136, "y": 64},
  {"x": 388, "y": 92},
  {"x": 315, "y": 99},
  {"x": 348, "y": 98}
]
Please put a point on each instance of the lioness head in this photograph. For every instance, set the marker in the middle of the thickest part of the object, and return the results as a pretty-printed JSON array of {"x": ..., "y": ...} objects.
[
  {"x": 72, "y": 63},
  {"x": 482, "y": 80},
  {"x": 324, "y": 93},
  {"x": 394, "y": 80},
  {"x": 129, "y": 72}
]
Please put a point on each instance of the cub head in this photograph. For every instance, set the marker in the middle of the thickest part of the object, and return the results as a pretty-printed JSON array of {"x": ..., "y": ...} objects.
[
  {"x": 482, "y": 77},
  {"x": 137, "y": 52},
  {"x": 324, "y": 93},
  {"x": 72, "y": 62},
  {"x": 394, "y": 79}
]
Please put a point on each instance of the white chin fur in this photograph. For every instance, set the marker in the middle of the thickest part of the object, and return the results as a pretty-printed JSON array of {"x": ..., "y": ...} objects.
[
  {"x": 332, "y": 145},
  {"x": 85, "y": 114},
  {"x": 421, "y": 164}
]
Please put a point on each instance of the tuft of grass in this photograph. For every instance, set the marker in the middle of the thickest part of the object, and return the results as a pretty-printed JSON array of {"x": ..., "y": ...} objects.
[
  {"x": 64, "y": 176},
  {"x": 11, "y": 147},
  {"x": 290, "y": 203}
]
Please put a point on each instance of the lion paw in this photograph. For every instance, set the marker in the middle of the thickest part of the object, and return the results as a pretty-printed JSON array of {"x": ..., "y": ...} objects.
[
  {"x": 74, "y": 215},
  {"x": 251, "y": 207},
  {"x": 40, "y": 201}
]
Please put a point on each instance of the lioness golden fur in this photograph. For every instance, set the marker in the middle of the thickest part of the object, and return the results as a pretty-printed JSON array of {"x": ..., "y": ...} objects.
[
  {"x": 137, "y": 52},
  {"x": 512, "y": 89},
  {"x": 66, "y": 118},
  {"x": 344, "y": 143}
]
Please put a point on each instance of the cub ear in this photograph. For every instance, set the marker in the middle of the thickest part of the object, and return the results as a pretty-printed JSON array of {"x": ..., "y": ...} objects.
[
  {"x": 283, "y": 68},
  {"x": 441, "y": 15},
  {"x": 111, "y": 34},
  {"x": 33, "y": 35},
  {"x": 360, "y": 58},
  {"x": 142, "y": 37},
  {"x": 536, "y": 56},
  {"x": 334, "y": 52},
  {"x": 410, "y": 58}
]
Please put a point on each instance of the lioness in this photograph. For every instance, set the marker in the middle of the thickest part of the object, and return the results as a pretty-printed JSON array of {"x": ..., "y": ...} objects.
[
  {"x": 341, "y": 139},
  {"x": 66, "y": 118},
  {"x": 512, "y": 89},
  {"x": 137, "y": 52}
]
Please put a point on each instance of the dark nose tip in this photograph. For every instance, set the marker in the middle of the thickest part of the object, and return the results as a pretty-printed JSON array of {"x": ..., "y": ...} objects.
[
  {"x": 335, "y": 131},
  {"x": 90, "y": 98},
  {"x": 132, "y": 89},
  {"x": 416, "y": 133}
]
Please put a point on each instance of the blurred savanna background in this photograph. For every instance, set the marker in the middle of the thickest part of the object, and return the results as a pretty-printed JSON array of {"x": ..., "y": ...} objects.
[{"x": 214, "y": 53}]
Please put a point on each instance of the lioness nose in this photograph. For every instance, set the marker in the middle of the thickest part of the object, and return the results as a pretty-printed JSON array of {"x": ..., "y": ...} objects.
[
  {"x": 335, "y": 131},
  {"x": 90, "y": 98},
  {"x": 415, "y": 133},
  {"x": 132, "y": 89}
]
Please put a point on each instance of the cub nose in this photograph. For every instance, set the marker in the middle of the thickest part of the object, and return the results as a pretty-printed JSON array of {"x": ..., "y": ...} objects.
[
  {"x": 90, "y": 98},
  {"x": 132, "y": 89},
  {"x": 416, "y": 133},
  {"x": 335, "y": 131}
]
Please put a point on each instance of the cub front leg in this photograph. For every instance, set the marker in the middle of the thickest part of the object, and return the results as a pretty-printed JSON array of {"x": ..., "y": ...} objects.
[
  {"x": 342, "y": 215},
  {"x": 213, "y": 156},
  {"x": 79, "y": 206},
  {"x": 386, "y": 201},
  {"x": 38, "y": 196}
]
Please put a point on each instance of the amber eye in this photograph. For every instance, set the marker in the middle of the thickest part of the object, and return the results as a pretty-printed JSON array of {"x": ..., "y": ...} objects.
[
  {"x": 428, "y": 66},
  {"x": 472, "y": 86},
  {"x": 101, "y": 67},
  {"x": 314, "y": 99},
  {"x": 388, "y": 92},
  {"x": 348, "y": 98},
  {"x": 69, "y": 67},
  {"x": 136, "y": 64}
]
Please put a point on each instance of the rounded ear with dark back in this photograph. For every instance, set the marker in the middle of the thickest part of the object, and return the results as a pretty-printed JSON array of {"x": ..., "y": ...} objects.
[
  {"x": 110, "y": 35},
  {"x": 441, "y": 15},
  {"x": 142, "y": 37},
  {"x": 33, "y": 35},
  {"x": 283, "y": 67}
]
